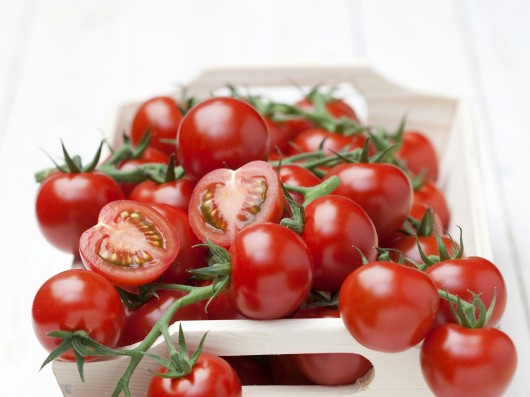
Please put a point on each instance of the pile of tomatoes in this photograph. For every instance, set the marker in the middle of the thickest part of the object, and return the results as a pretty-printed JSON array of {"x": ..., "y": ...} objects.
[{"x": 263, "y": 210}]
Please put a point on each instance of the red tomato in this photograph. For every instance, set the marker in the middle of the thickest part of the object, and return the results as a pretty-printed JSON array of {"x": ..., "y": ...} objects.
[
  {"x": 382, "y": 190},
  {"x": 210, "y": 376},
  {"x": 221, "y": 133},
  {"x": 388, "y": 307},
  {"x": 176, "y": 193},
  {"x": 458, "y": 361},
  {"x": 189, "y": 256},
  {"x": 476, "y": 274},
  {"x": 150, "y": 155},
  {"x": 225, "y": 201},
  {"x": 163, "y": 117},
  {"x": 335, "y": 228},
  {"x": 408, "y": 246},
  {"x": 138, "y": 322},
  {"x": 68, "y": 204},
  {"x": 419, "y": 155},
  {"x": 419, "y": 209},
  {"x": 286, "y": 372},
  {"x": 132, "y": 244},
  {"x": 292, "y": 174},
  {"x": 251, "y": 370},
  {"x": 330, "y": 368},
  {"x": 331, "y": 142},
  {"x": 431, "y": 195},
  {"x": 271, "y": 272},
  {"x": 220, "y": 309},
  {"x": 279, "y": 136},
  {"x": 78, "y": 300}
]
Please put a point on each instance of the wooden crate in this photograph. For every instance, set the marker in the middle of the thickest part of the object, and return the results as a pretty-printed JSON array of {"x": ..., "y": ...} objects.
[{"x": 445, "y": 120}]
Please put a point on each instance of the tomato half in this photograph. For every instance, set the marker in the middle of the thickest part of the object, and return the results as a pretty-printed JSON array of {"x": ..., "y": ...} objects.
[
  {"x": 210, "y": 376},
  {"x": 163, "y": 117},
  {"x": 132, "y": 244},
  {"x": 77, "y": 300},
  {"x": 387, "y": 306},
  {"x": 68, "y": 204},
  {"x": 457, "y": 361},
  {"x": 225, "y": 201},
  {"x": 272, "y": 272},
  {"x": 221, "y": 132}
]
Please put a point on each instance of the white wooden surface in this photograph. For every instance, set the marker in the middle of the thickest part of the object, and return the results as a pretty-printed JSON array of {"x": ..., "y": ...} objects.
[{"x": 63, "y": 64}]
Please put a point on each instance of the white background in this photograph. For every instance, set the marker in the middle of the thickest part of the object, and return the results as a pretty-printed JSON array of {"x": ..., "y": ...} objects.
[{"x": 64, "y": 64}]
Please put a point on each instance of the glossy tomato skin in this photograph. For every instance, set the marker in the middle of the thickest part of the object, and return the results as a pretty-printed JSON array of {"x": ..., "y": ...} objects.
[
  {"x": 221, "y": 132},
  {"x": 132, "y": 244},
  {"x": 190, "y": 256},
  {"x": 77, "y": 300},
  {"x": 138, "y": 322},
  {"x": 68, "y": 204},
  {"x": 462, "y": 362},
  {"x": 224, "y": 201},
  {"x": 176, "y": 193},
  {"x": 315, "y": 138},
  {"x": 292, "y": 174},
  {"x": 279, "y": 136},
  {"x": 382, "y": 190},
  {"x": 330, "y": 369},
  {"x": 431, "y": 194},
  {"x": 388, "y": 307},
  {"x": 163, "y": 117},
  {"x": 335, "y": 228},
  {"x": 272, "y": 272},
  {"x": 210, "y": 376},
  {"x": 473, "y": 273},
  {"x": 419, "y": 155}
]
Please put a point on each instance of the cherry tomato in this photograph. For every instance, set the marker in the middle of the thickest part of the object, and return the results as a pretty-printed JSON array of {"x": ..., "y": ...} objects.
[
  {"x": 225, "y": 201},
  {"x": 473, "y": 273},
  {"x": 286, "y": 372},
  {"x": 132, "y": 244},
  {"x": 138, "y": 322},
  {"x": 382, "y": 190},
  {"x": 335, "y": 228},
  {"x": 68, "y": 204},
  {"x": 163, "y": 117},
  {"x": 189, "y": 256},
  {"x": 210, "y": 376},
  {"x": 279, "y": 136},
  {"x": 457, "y": 361},
  {"x": 77, "y": 300},
  {"x": 220, "y": 309},
  {"x": 419, "y": 155},
  {"x": 176, "y": 193},
  {"x": 292, "y": 174},
  {"x": 330, "y": 368},
  {"x": 221, "y": 133},
  {"x": 331, "y": 142},
  {"x": 431, "y": 195},
  {"x": 408, "y": 245},
  {"x": 387, "y": 306},
  {"x": 271, "y": 272}
]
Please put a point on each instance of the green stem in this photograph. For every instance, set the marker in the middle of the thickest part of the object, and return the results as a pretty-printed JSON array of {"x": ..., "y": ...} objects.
[{"x": 312, "y": 193}]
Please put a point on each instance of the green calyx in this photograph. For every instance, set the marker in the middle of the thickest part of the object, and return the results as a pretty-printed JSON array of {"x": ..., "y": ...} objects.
[
  {"x": 469, "y": 315},
  {"x": 443, "y": 253}
]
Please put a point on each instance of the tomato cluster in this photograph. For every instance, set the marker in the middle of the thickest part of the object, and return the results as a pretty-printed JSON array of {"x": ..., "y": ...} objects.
[{"x": 277, "y": 211}]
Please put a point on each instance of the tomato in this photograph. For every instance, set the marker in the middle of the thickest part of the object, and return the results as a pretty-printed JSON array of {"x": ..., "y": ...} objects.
[
  {"x": 138, "y": 322},
  {"x": 473, "y": 273},
  {"x": 457, "y": 361},
  {"x": 279, "y": 136},
  {"x": 431, "y": 195},
  {"x": 77, "y": 300},
  {"x": 68, "y": 204},
  {"x": 221, "y": 133},
  {"x": 219, "y": 308},
  {"x": 189, "y": 256},
  {"x": 210, "y": 376},
  {"x": 331, "y": 142},
  {"x": 295, "y": 175},
  {"x": 382, "y": 190},
  {"x": 335, "y": 107},
  {"x": 286, "y": 372},
  {"x": 419, "y": 155},
  {"x": 176, "y": 193},
  {"x": 225, "y": 201},
  {"x": 335, "y": 228},
  {"x": 388, "y": 307},
  {"x": 251, "y": 370},
  {"x": 150, "y": 155},
  {"x": 408, "y": 246},
  {"x": 330, "y": 368},
  {"x": 132, "y": 244},
  {"x": 271, "y": 272},
  {"x": 163, "y": 117}
]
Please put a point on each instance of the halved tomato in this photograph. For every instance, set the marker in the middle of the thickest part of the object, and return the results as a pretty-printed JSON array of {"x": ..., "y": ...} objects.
[
  {"x": 132, "y": 244},
  {"x": 225, "y": 201}
]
